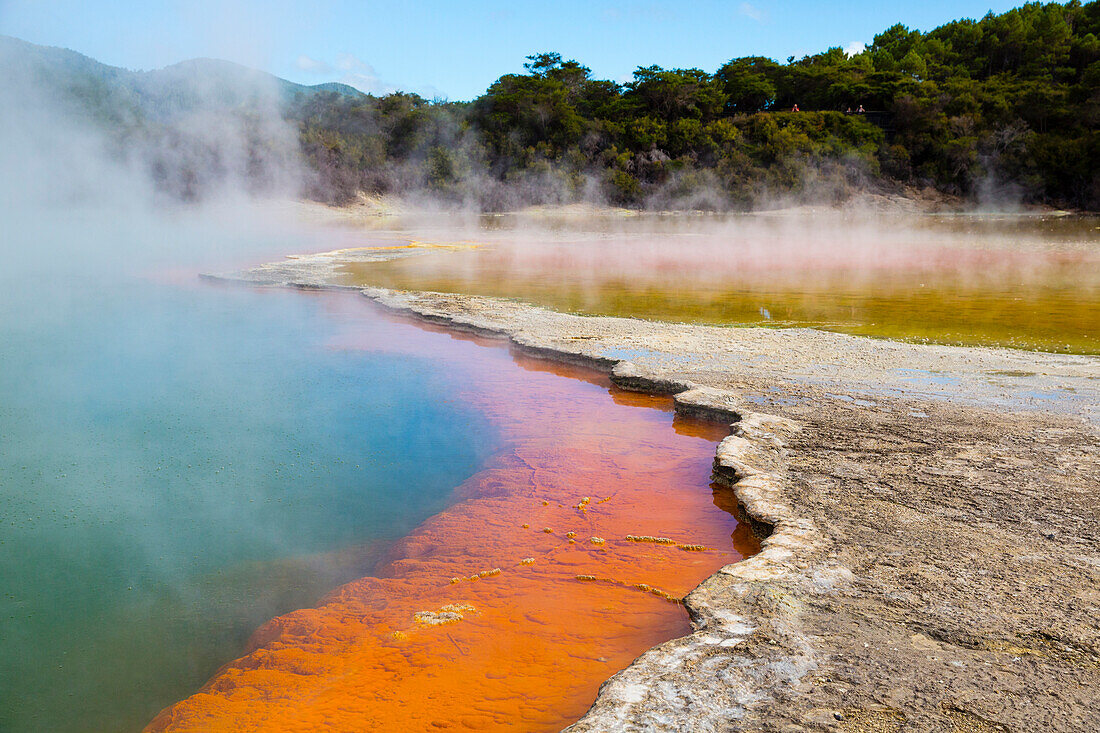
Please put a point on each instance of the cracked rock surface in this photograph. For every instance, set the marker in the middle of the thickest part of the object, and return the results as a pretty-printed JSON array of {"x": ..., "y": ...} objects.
[{"x": 932, "y": 559}]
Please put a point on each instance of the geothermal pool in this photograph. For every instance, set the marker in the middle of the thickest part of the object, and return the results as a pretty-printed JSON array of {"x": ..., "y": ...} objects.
[
  {"x": 230, "y": 508},
  {"x": 559, "y": 563},
  {"x": 180, "y": 465},
  {"x": 181, "y": 462},
  {"x": 1026, "y": 282}
]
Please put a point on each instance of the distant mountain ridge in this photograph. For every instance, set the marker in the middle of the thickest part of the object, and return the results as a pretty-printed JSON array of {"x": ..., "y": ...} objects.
[{"x": 183, "y": 86}]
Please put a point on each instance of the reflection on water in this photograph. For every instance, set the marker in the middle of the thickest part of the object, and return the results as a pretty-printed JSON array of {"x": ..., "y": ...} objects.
[{"x": 1029, "y": 283}]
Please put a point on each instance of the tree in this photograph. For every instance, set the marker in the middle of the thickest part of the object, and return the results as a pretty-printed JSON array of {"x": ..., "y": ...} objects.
[
  {"x": 746, "y": 84},
  {"x": 675, "y": 93}
]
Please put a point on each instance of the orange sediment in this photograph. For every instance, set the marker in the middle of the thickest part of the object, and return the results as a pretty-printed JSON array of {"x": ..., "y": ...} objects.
[{"x": 481, "y": 619}]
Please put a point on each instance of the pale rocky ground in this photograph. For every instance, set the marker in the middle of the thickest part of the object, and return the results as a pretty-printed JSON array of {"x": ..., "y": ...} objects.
[{"x": 932, "y": 513}]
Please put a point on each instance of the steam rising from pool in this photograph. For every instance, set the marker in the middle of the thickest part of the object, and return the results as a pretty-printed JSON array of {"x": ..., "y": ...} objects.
[
  {"x": 1024, "y": 282},
  {"x": 179, "y": 462}
]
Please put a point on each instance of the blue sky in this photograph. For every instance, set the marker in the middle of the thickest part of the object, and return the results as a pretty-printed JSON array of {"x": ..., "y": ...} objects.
[{"x": 456, "y": 49}]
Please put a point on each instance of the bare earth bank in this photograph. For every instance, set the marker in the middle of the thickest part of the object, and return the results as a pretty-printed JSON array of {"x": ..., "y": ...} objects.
[{"x": 932, "y": 515}]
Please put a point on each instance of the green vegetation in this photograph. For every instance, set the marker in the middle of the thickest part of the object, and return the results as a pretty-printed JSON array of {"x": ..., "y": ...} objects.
[{"x": 1007, "y": 106}]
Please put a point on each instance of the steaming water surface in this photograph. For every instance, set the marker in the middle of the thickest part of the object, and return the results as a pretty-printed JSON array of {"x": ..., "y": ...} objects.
[
  {"x": 1013, "y": 281},
  {"x": 180, "y": 462}
]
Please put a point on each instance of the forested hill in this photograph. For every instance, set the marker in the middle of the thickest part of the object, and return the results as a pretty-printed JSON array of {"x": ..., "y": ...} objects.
[{"x": 1006, "y": 108}]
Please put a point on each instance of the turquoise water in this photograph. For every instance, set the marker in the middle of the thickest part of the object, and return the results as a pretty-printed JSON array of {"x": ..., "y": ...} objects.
[{"x": 181, "y": 461}]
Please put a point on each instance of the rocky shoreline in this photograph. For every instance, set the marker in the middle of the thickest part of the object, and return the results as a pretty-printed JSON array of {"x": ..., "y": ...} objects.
[{"x": 931, "y": 514}]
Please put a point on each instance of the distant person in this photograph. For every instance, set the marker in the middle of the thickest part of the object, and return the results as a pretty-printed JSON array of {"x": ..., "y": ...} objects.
[
  {"x": 860, "y": 110},
  {"x": 795, "y": 108},
  {"x": 849, "y": 110}
]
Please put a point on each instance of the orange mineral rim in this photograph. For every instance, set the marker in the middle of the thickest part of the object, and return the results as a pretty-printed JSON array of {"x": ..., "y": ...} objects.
[{"x": 560, "y": 561}]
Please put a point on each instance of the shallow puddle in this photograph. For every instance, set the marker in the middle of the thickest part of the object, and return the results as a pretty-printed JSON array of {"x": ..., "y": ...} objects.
[{"x": 559, "y": 563}]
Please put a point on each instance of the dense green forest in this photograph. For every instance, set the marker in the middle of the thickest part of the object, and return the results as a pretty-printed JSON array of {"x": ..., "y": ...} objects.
[{"x": 1003, "y": 107}]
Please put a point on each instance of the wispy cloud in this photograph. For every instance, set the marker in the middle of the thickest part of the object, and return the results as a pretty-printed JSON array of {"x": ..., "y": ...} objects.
[
  {"x": 348, "y": 69},
  {"x": 313, "y": 66},
  {"x": 362, "y": 76},
  {"x": 855, "y": 47},
  {"x": 751, "y": 11}
]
